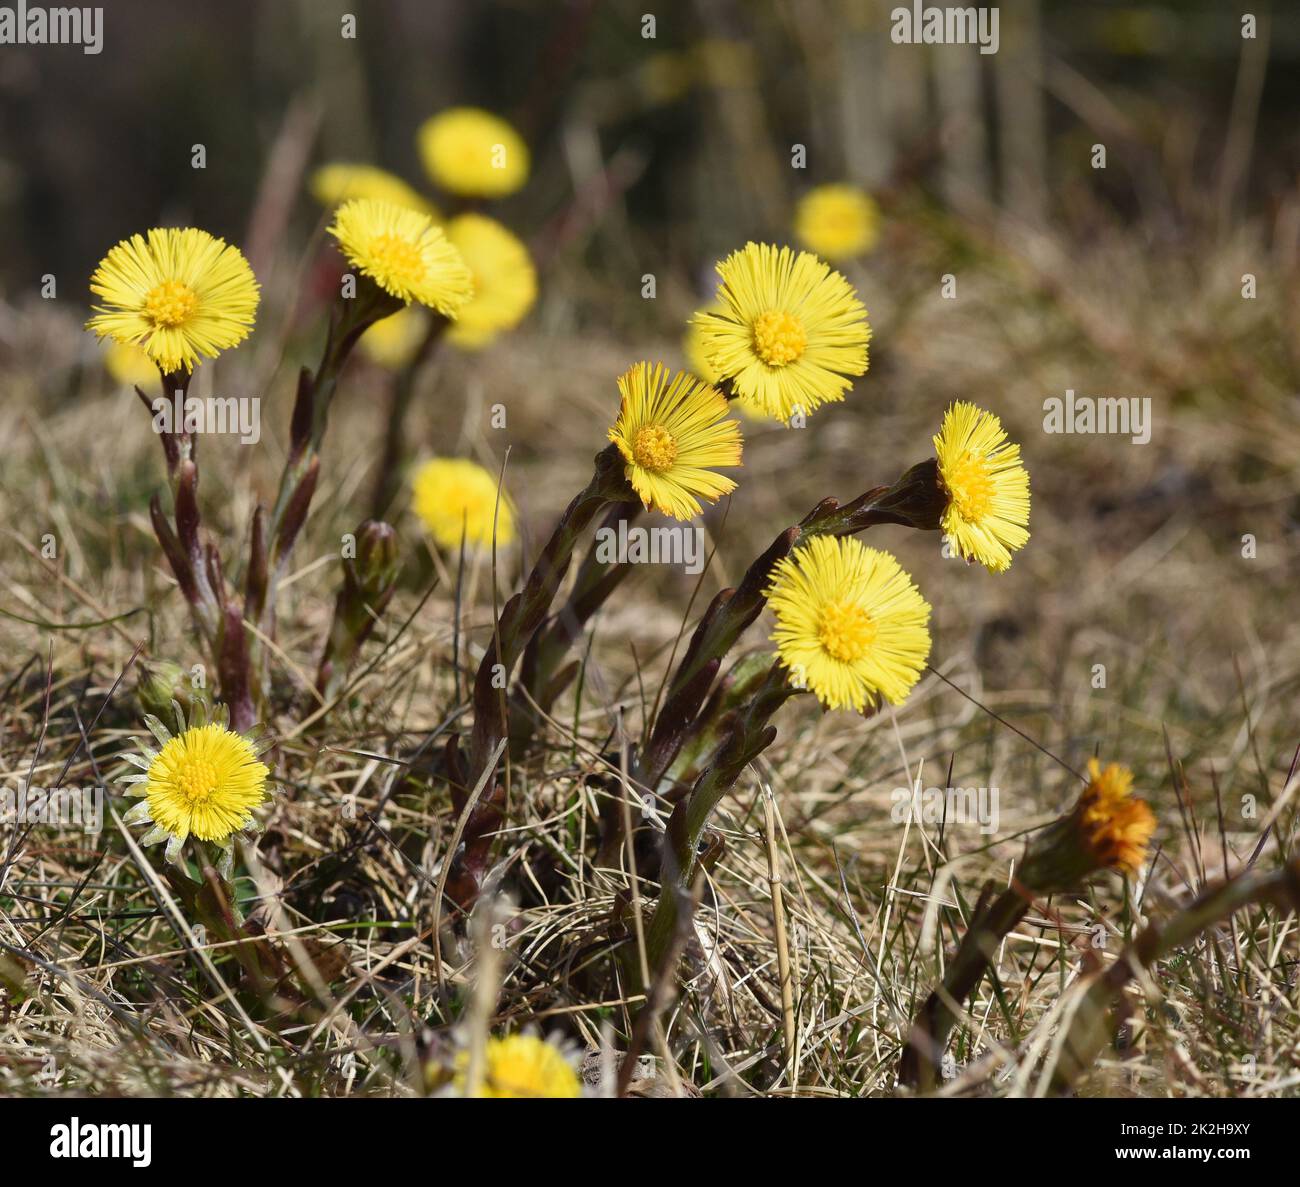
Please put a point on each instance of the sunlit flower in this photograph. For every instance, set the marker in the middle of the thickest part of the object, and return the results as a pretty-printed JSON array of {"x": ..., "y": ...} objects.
[
  {"x": 393, "y": 341},
  {"x": 404, "y": 253},
  {"x": 472, "y": 152},
  {"x": 520, "y": 1066},
  {"x": 202, "y": 782},
  {"x": 455, "y": 497},
  {"x": 987, "y": 513},
  {"x": 334, "y": 184},
  {"x": 838, "y": 222},
  {"x": 673, "y": 435},
  {"x": 181, "y": 294},
  {"x": 791, "y": 331},
  {"x": 505, "y": 282},
  {"x": 1115, "y": 826},
  {"x": 850, "y": 624}
]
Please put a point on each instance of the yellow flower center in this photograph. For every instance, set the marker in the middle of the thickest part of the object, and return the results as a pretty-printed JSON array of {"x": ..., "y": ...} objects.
[
  {"x": 654, "y": 449},
  {"x": 397, "y": 257},
  {"x": 196, "y": 779},
  {"x": 846, "y": 631},
  {"x": 970, "y": 486},
  {"x": 170, "y": 303},
  {"x": 779, "y": 337}
]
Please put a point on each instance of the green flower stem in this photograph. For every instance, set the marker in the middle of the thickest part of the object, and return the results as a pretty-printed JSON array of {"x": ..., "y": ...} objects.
[{"x": 915, "y": 500}]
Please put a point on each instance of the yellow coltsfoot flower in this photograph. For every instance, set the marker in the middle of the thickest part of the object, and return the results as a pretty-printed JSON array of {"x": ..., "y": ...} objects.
[
  {"x": 130, "y": 364},
  {"x": 505, "y": 282},
  {"x": 473, "y": 153},
  {"x": 334, "y": 184},
  {"x": 403, "y": 253},
  {"x": 202, "y": 782},
  {"x": 519, "y": 1066},
  {"x": 837, "y": 221},
  {"x": 180, "y": 294},
  {"x": 673, "y": 436},
  {"x": 791, "y": 332},
  {"x": 987, "y": 489},
  {"x": 456, "y": 497},
  {"x": 850, "y": 624}
]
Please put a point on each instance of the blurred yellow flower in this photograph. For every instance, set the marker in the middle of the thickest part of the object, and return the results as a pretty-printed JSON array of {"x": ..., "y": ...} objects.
[
  {"x": 521, "y": 1066},
  {"x": 987, "y": 488},
  {"x": 473, "y": 153},
  {"x": 404, "y": 253},
  {"x": 455, "y": 497},
  {"x": 1115, "y": 826},
  {"x": 850, "y": 624},
  {"x": 181, "y": 294},
  {"x": 790, "y": 333},
  {"x": 672, "y": 436},
  {"x": 837, "y": 222},
  {"x": 130, "y": 364},
  {"x": 334, "y": 184},
  {"x": 393, "y": 341},
  {"x": 505, "y": 282}
]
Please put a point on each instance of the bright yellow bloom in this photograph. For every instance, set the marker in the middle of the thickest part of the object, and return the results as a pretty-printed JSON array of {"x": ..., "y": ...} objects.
[
  {"x": 987, "y": 488},
  {"x": 505, "y": 282},
  {"x": 203, "y": 782},
  {"x": 393, "y": 341},
  {"x": 181, "y": 294},
  {"x": 1115, "y": 826},
  {"x": 332, "y": 185},
  {"x": 838, "y": 222},
  {"x": 672, "y": 436},
  {"x": 454, "y": 496},
  {"x": 130, "y": 364},
  {"x": 472, "y": 152},
  {"x": 521, "y": 1066},
  {"x": 850, "y": 625},
  {"x": 790, "y": 333}
]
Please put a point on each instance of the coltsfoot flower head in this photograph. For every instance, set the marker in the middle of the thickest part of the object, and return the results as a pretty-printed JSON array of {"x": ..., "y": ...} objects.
[
  {"x": 203, "y": 782},
  {"x": 987, "y": 489},
  {"x": 837, "y": 221},
  {"x": 520, "y": 1065},
  {"x": 336, "y": 183},
  {"x": 1108, "y": 829},
  {"x": 179, "y": 293},
  {"x": 473, "y": 153},
  {"x": 850, "y": 624},
  {"x": 393, "y": 341},
  {"x": 673, "y": 436},
  {"x": 455, "y": 497},
  {"x": 791, "y": 332},
  {"x": 505, "y": 282},
  {"x": 403, "y": 253},
  {"x": 130, "y": 364}
]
